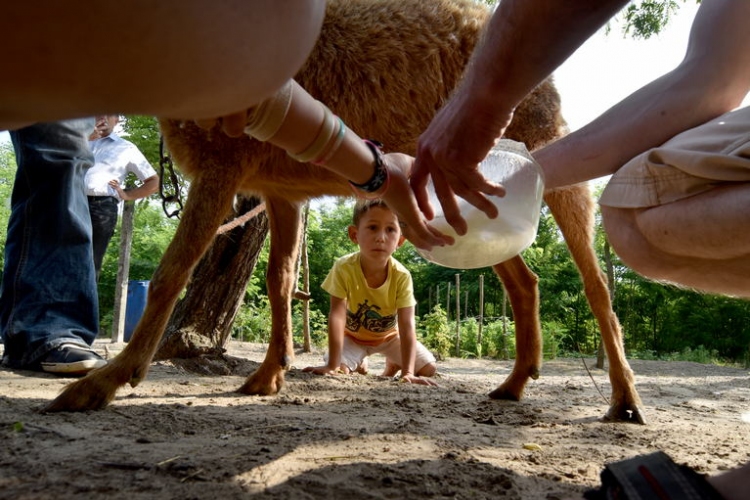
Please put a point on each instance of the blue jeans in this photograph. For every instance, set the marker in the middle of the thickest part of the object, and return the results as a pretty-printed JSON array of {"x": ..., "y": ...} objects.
[{"x": 48, "y": 295}]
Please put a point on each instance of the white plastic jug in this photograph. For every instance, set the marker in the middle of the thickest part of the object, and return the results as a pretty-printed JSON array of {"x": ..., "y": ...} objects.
[{"x": 491, "y": 241}]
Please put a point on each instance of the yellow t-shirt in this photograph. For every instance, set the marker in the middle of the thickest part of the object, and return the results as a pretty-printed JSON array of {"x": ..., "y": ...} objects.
[{"x": 371, "y": 313}]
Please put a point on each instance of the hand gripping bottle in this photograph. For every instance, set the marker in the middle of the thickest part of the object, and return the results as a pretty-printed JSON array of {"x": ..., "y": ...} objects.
[{"x": 491, "y": 241}]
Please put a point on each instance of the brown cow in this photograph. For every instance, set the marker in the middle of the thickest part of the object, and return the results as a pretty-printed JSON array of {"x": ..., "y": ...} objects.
[{"x": 385, "y": 67}]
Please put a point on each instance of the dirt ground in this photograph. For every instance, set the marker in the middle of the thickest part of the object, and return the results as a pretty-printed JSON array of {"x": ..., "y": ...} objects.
[{"x": 184, "y": 436}]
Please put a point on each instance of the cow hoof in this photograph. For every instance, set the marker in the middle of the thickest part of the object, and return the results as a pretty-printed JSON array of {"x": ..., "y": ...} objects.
[
  {"x": 625, "y": 413},
  {"x": 92, "y": 392},
  {"x": 502, "y": 392},
  {"x": 259, "y": 385}
]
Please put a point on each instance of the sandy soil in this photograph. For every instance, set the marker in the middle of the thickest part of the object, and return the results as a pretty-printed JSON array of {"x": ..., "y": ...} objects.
[{"x": 183, "y": 436}]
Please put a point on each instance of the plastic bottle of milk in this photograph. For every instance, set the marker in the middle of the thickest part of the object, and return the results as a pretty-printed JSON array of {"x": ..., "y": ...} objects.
[{"x": 491, "y": 241}]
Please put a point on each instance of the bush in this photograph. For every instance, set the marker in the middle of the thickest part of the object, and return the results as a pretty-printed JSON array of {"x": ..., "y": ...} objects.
[
  {"x": 497, "y": 345},
  {"x": 318, "y": 326},
  {"x": 469, "y": 336},
  {"x": 253, "y": 322},
  {"x": 552, "y": 335},
  {"x": 435, "y": 332}
]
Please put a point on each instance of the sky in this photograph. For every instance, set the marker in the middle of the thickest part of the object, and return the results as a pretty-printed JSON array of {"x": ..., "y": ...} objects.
[{"x": 609, "y": 67}]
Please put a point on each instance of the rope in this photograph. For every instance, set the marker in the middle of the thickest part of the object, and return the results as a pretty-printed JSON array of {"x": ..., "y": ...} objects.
[{"x": 241, "y": 219}]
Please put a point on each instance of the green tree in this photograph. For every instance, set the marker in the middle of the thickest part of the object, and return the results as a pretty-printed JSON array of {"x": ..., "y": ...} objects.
[{"x": 7, "y": 176}]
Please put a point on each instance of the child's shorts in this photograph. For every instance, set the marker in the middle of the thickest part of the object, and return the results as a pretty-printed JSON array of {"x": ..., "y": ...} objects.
[
  {"x": 353, "y": 353},
  {"x": 697, "y": 160}
]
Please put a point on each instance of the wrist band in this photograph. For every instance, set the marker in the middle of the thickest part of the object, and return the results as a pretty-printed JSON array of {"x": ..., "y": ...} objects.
[
  {"x": 266, "y": 118},
  {"x": 380, "y": 179}
]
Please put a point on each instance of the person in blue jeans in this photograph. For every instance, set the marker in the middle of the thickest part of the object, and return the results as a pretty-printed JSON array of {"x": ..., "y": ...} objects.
[{"x": 49, "y": 308}]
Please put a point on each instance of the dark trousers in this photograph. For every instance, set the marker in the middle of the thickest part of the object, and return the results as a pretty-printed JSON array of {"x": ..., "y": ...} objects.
[{"x": 103, "y": 210}]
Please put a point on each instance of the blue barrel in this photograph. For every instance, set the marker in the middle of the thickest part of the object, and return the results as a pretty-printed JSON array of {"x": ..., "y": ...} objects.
[{"x": 137, "y": 294}]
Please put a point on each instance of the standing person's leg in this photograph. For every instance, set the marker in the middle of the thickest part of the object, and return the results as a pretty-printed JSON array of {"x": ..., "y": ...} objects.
[
  {"x": 103, "y": 211},
  {"x": 49, "y": 299}
]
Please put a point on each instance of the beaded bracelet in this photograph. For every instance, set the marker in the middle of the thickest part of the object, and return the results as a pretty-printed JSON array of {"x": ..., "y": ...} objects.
[{"x": 380, "y": 179}]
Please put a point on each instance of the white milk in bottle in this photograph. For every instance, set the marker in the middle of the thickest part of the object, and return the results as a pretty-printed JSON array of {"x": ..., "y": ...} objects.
[{"x": 491, "y": 241}]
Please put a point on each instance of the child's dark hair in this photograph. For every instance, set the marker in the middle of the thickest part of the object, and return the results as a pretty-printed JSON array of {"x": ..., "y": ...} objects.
[{"x": 362, "y": 206}]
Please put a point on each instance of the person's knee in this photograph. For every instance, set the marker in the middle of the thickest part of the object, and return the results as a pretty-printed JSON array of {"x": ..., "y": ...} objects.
[
  {"x": 630, "y": 245},
  {"x": 428, "y": 370}
]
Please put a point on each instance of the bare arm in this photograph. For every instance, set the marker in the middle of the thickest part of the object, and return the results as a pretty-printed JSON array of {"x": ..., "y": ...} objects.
[
  {"x": 525, "y": 41},
  {"x": 188, "y": 59},
  {"x": 149, "y": 187},
  {"x": 336, "y": 324},
  {"x": 712, "y": 79},
  {"x": 352, "y": 160}
]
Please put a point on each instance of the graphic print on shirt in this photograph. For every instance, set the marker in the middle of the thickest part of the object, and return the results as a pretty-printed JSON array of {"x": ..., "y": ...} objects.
[{"x": 368, "y": 317}]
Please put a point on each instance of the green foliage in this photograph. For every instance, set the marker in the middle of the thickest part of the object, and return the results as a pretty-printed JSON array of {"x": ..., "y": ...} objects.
[
  {"x": 7, "y": 177},
  {"x": 143, "y": 131},
  {"x": 436, "y": 334},
  {"x": 470, "y": 345},
  {"x": 552, "y": 335},
  {"x": 318, "y": 326},
  {"x": 253, "y": 322},
  {"x": 648, "y": 17},
  {"x": 497, "y": 344}
]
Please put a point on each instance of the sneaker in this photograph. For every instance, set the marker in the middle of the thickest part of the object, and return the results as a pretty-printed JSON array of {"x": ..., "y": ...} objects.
[{"x": 71, "y": 359}]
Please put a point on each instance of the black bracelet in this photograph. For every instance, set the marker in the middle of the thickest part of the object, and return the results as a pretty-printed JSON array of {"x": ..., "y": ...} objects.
[{"x": 379, "y": 176}]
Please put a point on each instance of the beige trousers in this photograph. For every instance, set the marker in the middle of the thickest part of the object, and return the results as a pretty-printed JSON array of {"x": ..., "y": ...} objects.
[{"x": 695, "y": 161}]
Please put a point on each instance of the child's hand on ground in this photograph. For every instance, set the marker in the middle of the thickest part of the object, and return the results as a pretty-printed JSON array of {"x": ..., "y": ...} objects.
[
  {"x": 322, "y": 370},
  {"x": 413, "y": 379}
]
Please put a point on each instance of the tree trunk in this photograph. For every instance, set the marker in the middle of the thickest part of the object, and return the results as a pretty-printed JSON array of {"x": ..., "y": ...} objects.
[{"x": 202, "y": 320}]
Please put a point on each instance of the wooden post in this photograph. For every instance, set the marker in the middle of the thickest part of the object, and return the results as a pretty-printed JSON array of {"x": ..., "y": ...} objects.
[
  {"x": 505, "y": 324},
  {"x": 123, "y": 272},
  {"x": 448, "y": 301},
  {"x": 481, "y": 312},
  {"x": 458, "y": 315},
  {"x": 305, "y": 283}
]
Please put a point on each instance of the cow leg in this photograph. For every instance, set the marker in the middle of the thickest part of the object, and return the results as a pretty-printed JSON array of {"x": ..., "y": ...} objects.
[
  {"x": 284, "y": 228},
  {"x": 207, "y": 205},
  {"x": 522, "y": 287},
  {"x": 573, "y": 209}
]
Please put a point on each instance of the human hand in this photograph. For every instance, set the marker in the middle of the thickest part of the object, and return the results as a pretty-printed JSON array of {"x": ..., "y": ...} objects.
[
  {"x": 450, "y": 150},
  {"x": 321, "y": 370},
  {"x": 413, "y": 379},
  {"x": 400, "y": 199},
  {"x": 114, "y": 184}
]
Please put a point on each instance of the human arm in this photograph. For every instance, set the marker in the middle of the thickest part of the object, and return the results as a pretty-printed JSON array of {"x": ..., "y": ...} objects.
[
  {"x": 524, "y": 42},
  {"x": 408, "y": 335},
  {"x": 296, "y": 122},
  {"x": 712, "y": 79},
  {"x": 336, "y": 324},
  {"x": 147, "y": 188}
]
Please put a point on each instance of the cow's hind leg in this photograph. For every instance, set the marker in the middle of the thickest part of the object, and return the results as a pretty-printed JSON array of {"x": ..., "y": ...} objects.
[
  {"x": 523, "y": 292},
  {"x": 573, "y": 209},
  {"x": 207, "y": 205},
  {"x": 284, "y": 228}
]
